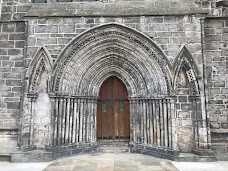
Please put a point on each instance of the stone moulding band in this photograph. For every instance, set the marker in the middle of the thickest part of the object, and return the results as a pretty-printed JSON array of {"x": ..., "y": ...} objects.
[{"x": 78, "y": 9}]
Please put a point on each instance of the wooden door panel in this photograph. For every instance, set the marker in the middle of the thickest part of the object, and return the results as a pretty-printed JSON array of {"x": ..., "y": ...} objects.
[{"x": 113, "y": 120}]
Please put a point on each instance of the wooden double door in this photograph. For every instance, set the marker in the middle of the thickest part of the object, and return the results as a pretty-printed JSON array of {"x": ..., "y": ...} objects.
[{"x": 113, "y": 114}]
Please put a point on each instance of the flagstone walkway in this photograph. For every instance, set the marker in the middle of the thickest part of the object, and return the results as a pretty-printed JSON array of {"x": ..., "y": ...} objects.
[{"x": 111, "y": 162}]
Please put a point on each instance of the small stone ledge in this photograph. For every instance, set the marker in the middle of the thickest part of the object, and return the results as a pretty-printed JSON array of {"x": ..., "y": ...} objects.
[
  {"x": 31, "y": 156},
  {"x": 205, "y": 155},
  {"x": 8, "y": 128},
  {"x": 197, "y": 156},
  {"x": 220, "y": 131},
  {"x": 76, "y": 9}
]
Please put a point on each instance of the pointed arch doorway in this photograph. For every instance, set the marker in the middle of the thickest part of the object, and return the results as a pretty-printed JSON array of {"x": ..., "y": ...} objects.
[{"x": 113, "y": 114}]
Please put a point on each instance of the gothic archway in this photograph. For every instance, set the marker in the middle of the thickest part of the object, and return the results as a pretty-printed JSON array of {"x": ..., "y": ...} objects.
[{"x": 97, "y": 54}]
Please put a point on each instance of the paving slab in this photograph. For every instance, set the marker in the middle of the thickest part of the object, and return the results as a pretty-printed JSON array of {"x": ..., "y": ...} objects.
[
  {"x": 111, "y": 162},
  {"x": 7, "y": 166},
  {"x": 201, "y": 166}
]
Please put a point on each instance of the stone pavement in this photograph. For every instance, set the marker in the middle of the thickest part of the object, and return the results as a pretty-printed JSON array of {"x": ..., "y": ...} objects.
[
  {"x": 111, "y": 162},
  {"x": 114, "y": 162}
]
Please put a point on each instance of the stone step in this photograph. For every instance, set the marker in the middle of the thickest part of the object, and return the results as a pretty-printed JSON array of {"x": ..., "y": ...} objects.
[
  {"x": 113, "y": 149},
  {"x": 187, "y": 157}
]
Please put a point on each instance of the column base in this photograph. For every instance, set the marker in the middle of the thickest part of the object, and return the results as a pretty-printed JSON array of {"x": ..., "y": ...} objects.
[
  {"x": 152, "y": 150},
  {"x": 51, "y": 153}
]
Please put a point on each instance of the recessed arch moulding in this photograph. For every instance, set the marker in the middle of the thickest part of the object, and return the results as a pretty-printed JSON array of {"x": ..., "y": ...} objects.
[
  {"x": 112, "y": 50},
  {"x": 76, "y": 78}
]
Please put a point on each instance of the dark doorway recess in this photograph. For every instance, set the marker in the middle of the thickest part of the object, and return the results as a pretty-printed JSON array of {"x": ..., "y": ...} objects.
[{"x": 113, "y": 114}]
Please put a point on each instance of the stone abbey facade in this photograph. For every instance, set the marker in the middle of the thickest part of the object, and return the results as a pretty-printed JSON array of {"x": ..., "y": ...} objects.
[{"x": 168, "y": 57}]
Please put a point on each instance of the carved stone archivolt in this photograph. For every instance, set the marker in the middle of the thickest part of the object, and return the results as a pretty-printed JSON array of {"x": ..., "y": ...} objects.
[{"x": 112, "y": 50}]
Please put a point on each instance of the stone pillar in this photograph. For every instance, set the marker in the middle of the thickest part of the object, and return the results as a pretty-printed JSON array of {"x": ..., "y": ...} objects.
[
  {"x": 94, "y": 101},
  {"x": 132, "y": 131},
  {"x": 203, "y": 144},
  {"x": 173, "y": 120}
]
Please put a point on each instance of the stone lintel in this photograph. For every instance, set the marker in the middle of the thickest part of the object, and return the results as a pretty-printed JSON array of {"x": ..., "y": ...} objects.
[{"x": 94, "y": 9}]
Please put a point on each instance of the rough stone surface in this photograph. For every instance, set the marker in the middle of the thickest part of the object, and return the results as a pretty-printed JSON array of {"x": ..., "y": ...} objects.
[
  {"x": 111, "y": 161},
  {"x": 217, "y": 83},
  {"x": 171, "y": 55},
  {"x": 116, "y": 9}
]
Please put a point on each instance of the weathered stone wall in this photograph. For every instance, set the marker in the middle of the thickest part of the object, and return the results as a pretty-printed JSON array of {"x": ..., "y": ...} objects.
[
  {"x": 12, "y": 40},
  {"x": 169, "y": 32},
  {"x": 185, "y": 115},
  {"x": 215, "y": 51},
  {"x": 14, "y": 9},
  {"x": 216, "y": 37}
]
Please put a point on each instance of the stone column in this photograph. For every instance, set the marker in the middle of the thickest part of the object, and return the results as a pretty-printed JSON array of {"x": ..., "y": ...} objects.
[
  {"x": 203, "y": 144},
  {"x": 172, "y": 123}
]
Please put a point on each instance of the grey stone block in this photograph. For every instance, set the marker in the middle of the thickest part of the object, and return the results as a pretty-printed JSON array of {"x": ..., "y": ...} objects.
[
  {"x": 6, "y": 9},
  {"x": 17, "y": 89},
  {"x": 64, "y": 40},
  {"x": 46, "y": 41},
  {"x": 15, "y": 51},
  {"x": 20, "y": 27},
  {"x": 5, "y": 69},
  {"x": 186, "y": 106},
  {"x": 19, "y": 44},
  {"x": 214, "y": 23},
  {"x": 224, "y": 125},
  {"x": 17, "y": 36},
  {"x": 6, "y": 44},
  {"x": 13, "y": 105},
  {"x": 183, "y": 98},
  {"x": 66, "y": 29},
  {"x": 13, "y": 82},
  {"x": 19, "y": 64},
  {"x": 7, "y": 63},
  {"x": 6, "y": 16},
  {"x": 46, "y": 29},
  {"x": 11, "y": 75},
  {"x": 24, "y": 8},
  {"x": 4, "y": 36},
  {"x": 3, "y": 52},
  {"x": 10, "y": 27}
]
